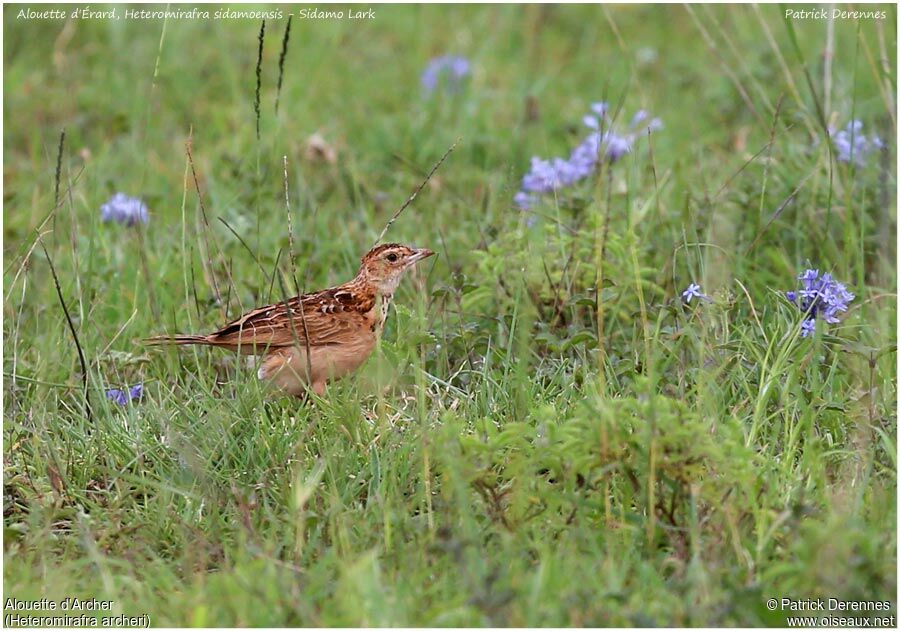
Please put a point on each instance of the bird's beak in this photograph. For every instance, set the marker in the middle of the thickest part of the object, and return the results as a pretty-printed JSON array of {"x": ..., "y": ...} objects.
[{"x": 421, "y": 253}]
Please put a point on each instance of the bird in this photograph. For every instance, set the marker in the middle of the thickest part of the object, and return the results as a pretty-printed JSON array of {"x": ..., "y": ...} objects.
[{"x": 315, "y": 338}]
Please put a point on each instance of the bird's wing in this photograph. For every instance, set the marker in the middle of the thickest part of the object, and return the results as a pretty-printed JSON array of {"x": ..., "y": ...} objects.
[{"x": 323, "y": 318}]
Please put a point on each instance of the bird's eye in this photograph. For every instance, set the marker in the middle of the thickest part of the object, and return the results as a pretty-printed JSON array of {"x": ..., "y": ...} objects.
[{"x": 392, "y": 257}]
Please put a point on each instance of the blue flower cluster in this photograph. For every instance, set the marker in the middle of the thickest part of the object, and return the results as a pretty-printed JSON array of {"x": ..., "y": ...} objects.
[
  {"x": 453, "y": 69},
  {"x": 820, "y": 296},
  {"x": 123, "y": 397},
  {"x": 602, "y": 143},
  {"x": 125, "y": 210},
  {"x": 852, "y": 145}
]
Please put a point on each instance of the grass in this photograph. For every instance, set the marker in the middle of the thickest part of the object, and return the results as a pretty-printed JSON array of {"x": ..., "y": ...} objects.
[{"x": 517, "y": 452}]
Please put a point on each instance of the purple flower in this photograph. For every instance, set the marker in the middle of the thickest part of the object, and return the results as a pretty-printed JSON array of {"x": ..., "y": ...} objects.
[
  {"x": 125, "y": 210},
  {"x": 603, "y": 143},
  {"x": 807, "y": 327},
  {"x": 524, "y": 200},
  {"x": 617, "y": 147},
  {"x": 117, "y": 396},
  {"x": 122, "y": 397},
  {"x": 693, "y": 291},
  {"x": 600, "y": 109},
  {"x": 453, "y": 69},
  {"x": 821, "y": 295},
  {"x": 852, "y": 145},
  {"x": 808, "y": 276}
]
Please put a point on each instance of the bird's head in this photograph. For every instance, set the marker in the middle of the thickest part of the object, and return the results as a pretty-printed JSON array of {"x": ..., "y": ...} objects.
[{"x": 385, "y": 264}]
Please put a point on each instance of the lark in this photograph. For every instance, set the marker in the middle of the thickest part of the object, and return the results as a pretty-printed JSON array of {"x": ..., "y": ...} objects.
[{"x": 312, "y": 339}]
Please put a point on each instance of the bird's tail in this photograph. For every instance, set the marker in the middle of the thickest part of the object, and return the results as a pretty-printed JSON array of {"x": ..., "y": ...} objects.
[{"x": 175, "y": 339}]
